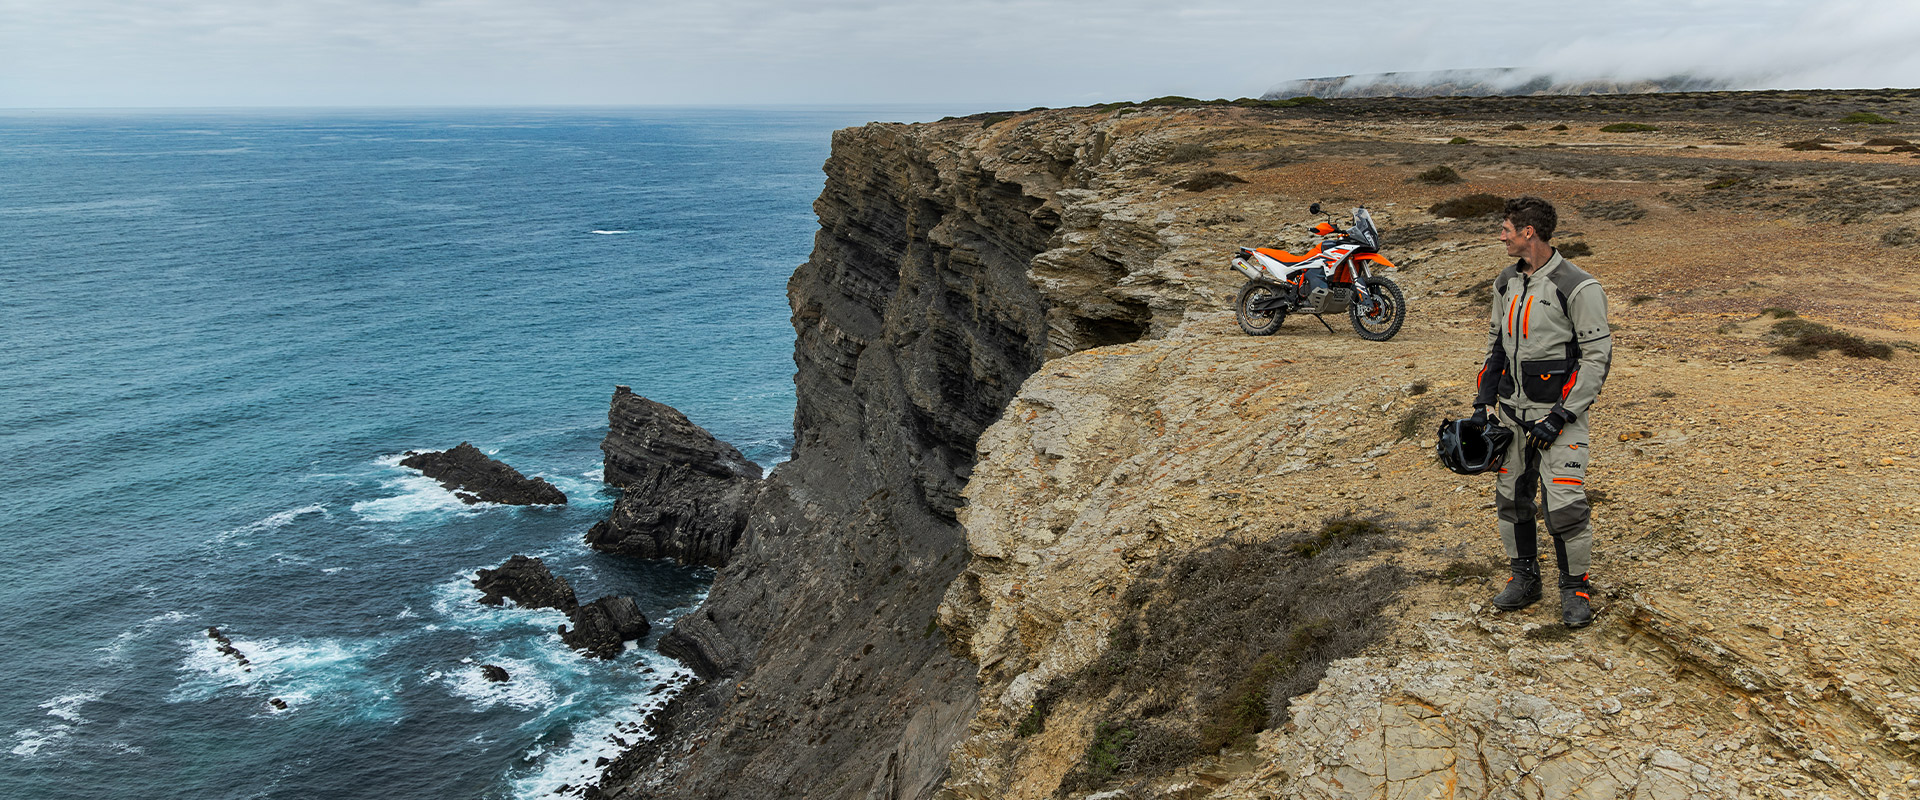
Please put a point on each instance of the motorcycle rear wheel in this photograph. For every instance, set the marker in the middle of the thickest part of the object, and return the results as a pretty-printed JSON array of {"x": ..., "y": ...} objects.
[
  {"x": 1381, "y": 317},
  {"x": 1258, "y": 323}
]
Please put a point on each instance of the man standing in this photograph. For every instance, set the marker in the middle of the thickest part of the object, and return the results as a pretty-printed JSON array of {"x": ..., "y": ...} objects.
[{"x": 1547, "y": 353}]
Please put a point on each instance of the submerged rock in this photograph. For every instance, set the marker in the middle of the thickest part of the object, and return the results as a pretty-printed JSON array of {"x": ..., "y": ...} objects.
[
  {"x": 685, "y": 493},
  {"x": 475, "y": 478}
]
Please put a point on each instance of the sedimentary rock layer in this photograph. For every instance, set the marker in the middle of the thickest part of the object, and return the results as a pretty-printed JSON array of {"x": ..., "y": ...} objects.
[{"x": 685, "y": 494}]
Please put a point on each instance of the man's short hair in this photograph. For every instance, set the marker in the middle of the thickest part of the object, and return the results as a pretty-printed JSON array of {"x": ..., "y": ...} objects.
[{"x": 1530, "y": 210}]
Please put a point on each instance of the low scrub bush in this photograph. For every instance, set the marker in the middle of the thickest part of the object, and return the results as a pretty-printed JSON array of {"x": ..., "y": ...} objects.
[
  {"x": 1575, "y": 249},
  {"x": 1615, "y": 210},
  {"x": 1211, "y": 179},
  {"x": 1213, "y": 644},
  {"x": 1725, "y": 183},
  {"x": 1802, "y": 339},
  {"x": 1806, "y": 145},
  {"x": 1560, "y": 127},
  {"x": 1865, "y": 118},
  {"x": 1778, "y": 313},
  {"x": 1899, "y": 237},
  {"x": 1628, "y": 127},
  {"x": 1460, "y": 140},
  {"x": 1513, "y": 127},
  {"x": 1190, "y": 151},
  {"x": 1442, "y": 174},
  {"x": 1468, "y": 207},
  {"x": 1885, "y": 141}
]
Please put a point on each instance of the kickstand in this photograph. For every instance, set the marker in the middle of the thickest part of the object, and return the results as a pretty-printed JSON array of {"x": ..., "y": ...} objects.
[{"x": 1323, "y": 323}]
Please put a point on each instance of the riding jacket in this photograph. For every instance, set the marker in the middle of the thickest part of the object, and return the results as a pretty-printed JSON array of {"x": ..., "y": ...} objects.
[{"x": 1548, "y": 343}]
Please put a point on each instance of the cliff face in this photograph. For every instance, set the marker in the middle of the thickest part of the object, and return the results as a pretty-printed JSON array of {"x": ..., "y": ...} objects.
[
  {"x": 1023, "y": 414},
  {"x": 942, "y": 277}
]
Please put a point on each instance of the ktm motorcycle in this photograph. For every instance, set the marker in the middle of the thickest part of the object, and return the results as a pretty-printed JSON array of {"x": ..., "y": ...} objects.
[{"x": 1335, "y": 277}]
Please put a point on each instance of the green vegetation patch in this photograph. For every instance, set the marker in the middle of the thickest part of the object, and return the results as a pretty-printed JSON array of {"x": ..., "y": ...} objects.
[
  {"x": 1442, "y": 174},
  {"x": 1513, "y": 127},
  {"x": 1628, "y": 127},
  {"x": 1460, "y": 140},
  {"x": 1469, "y": 207},
  {"x": 1865, "y": 118},
  {"x": 1803, "y": 339},
  {"x": 1211, "y": 646},
  {"x": 1210, "y": 179}
]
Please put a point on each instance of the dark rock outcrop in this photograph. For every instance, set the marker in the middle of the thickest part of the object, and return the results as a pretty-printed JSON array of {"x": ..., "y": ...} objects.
[
  {"x": 495, "y": 673},
  {"x": 475, "y": 478},
  {"x": 528, "y": 583},
  {"x": 917, "y": 317},
  {"x": 685, "y": 494},
  {"x": 601, "y": 627}
]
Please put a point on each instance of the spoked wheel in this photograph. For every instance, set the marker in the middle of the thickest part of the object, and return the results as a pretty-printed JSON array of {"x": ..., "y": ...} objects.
[
  {"x": 1259, "y": 322},
  {"x": 1380, "y": 317}
]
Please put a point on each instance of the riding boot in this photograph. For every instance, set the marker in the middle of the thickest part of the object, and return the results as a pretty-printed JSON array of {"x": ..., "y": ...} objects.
[
  {"x": 1576, "y": 600},
  {"x": 1523, "y": 589}
]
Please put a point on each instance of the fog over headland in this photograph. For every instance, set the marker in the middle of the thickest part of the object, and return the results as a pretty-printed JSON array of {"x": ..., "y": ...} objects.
[{"x": 964, "y": 53}]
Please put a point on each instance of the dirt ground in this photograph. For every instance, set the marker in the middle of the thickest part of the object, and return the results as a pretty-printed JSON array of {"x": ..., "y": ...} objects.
[{"x": 1757, "y": 516}]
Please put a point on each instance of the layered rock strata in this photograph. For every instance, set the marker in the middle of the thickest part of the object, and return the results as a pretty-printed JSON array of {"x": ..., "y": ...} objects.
[
  {"x": 475, "y": 478},
  {"x": 685, "y": 494},
  {"x": 951, "y": 261}
]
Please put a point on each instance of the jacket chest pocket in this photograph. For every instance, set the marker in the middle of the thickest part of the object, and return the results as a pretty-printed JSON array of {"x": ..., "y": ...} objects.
[{"x": 1545, "y": 381}]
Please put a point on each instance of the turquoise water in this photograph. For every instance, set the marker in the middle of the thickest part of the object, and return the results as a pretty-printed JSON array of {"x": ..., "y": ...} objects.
[{"x": 221, "y": 330}]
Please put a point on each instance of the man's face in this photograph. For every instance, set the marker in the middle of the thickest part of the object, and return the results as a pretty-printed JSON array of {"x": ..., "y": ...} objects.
[{"x": 1516, "y": 241}]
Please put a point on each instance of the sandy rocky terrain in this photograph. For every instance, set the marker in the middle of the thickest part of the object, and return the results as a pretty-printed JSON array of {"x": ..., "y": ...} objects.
[{"x": 1757, "y": 517}]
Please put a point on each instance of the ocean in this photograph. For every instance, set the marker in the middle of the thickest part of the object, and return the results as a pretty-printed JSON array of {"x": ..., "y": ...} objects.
[{"x": 221, "y": 331}]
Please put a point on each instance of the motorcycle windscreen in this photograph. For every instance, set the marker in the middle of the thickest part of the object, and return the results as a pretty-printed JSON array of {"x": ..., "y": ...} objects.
[{"x": 1363, "y": 228}]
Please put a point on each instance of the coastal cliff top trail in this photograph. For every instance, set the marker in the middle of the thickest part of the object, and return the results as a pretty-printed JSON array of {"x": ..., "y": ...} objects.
[{"x": 1756, "y": 514}]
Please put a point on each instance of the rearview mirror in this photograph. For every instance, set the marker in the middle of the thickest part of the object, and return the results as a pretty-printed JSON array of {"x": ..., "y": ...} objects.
[{"x": 1314, "y": 209}]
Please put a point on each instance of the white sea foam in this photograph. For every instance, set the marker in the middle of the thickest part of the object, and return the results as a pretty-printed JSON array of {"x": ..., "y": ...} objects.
[
  {"x": 300, "y": 672},
  {"x": 270, "y": 522},
  {"x": 526, "y": 689},
  {"x": 417, "y": 494},
  {"x": 458, "y": 603},
  {"x": 115, "y": 648},
  {"x": 28, "y": 742},
  {"x": 570, "y": 761},
  {"x": 611, "y": 233}
]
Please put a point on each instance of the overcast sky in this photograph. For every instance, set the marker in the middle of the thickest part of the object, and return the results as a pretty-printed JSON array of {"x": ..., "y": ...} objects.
[{"x": 970, "y": 54}]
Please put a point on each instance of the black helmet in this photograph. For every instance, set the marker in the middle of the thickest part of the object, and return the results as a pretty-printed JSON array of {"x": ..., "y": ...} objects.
[{"x": 1470, "y": 448}]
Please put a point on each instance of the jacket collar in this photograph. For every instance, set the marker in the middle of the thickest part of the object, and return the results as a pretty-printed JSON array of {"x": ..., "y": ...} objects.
[{"x": 1520, "y": 267}]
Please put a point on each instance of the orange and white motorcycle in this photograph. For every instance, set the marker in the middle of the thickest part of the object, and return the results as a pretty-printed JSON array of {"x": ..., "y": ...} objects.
[{"x": 1335, "y": 277}]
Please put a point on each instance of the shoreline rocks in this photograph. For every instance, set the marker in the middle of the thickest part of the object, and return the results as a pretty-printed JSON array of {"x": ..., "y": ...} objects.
[
  {"x": 600, "y": 629},
  {"x": 475, "y": 478},
  {"x": 685, "y": 494}
]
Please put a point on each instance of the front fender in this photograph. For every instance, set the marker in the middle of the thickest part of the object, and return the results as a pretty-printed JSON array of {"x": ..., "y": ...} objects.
[{"x": 1374, "y": 257}]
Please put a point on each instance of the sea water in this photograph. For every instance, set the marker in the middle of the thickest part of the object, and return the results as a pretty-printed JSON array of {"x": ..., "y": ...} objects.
[{"x": 219, "y": 332}]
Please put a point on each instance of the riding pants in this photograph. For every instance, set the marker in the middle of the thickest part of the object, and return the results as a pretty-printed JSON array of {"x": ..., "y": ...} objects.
[{"x": 1557, "y": 476}]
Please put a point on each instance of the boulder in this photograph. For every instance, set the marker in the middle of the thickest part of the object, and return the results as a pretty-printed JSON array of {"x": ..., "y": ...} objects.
[
  {"x": 475, "y": 478},
  {"x": 494, "y": 673},
  {"x": 528, "y": 583},
  {"x": 685, "y": 494},
  {"x": 601, "y": 627}
]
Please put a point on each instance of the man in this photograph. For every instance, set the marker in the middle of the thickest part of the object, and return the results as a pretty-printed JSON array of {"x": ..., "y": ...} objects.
[{"x": 1547, "y": 353}]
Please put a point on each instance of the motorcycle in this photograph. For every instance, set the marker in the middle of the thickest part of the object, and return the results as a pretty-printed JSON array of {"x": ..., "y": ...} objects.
[{"x": 1335, "y": 277}]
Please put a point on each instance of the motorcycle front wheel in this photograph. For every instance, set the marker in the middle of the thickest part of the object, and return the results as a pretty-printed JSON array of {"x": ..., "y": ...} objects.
[
  {"x": 1380, "y": 317},
  {"x": 1258, "y": 323}
]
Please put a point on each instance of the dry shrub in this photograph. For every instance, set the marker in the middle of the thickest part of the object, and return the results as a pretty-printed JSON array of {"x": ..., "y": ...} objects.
[
  {"x": 1616, "y": 210},
  {"x": 1575, "y": 249},
  {"x": 1439, "y": 175},
  {"x": 1513, "y": 127},
  {"x": 1468, "y": 207},
  {"x": 1460, "y": 140},
  {"x": 1211, "y": 179},
  {"x": 1899, "y": 237},
  {"x": 1560, "y": 127},
  {"x": 1886, "y": 141},
  {"x": 1801, "y": 339},
  {"x": 1213, "y": 644},
  {"x": 1191, "y": 151},
  {"x": 1806, "y": 145},
  {"x": 1628, "y": 127}
]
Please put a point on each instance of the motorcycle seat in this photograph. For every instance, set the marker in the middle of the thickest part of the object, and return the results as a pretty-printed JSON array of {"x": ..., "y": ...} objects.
[{"x": 1285, "y": 257}]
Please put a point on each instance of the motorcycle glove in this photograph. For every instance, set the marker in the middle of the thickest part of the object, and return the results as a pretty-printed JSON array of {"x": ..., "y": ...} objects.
[
  {"x": 1546, "y": 429},
  {"x": 1480, "y": 416}
]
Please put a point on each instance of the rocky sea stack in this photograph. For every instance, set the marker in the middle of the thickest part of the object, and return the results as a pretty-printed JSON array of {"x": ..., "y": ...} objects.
[
  {"x": 475, "y": 478},
  {"x": 685, "y": 494},
  {"x": 600, "y": 629}
]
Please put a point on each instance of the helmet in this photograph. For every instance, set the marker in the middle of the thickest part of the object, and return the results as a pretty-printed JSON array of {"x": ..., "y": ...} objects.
[{"x": 1470, "y": 448}]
